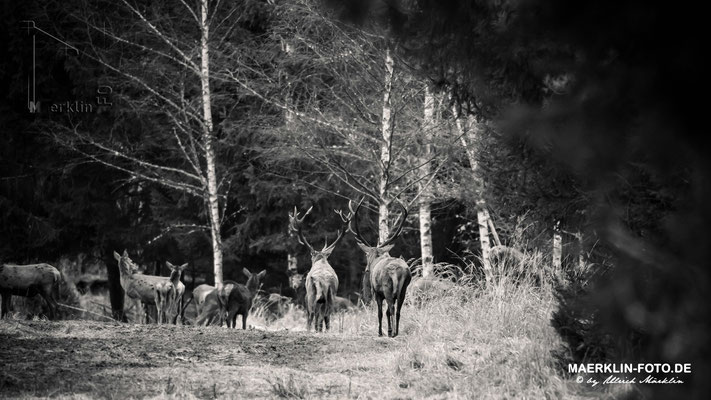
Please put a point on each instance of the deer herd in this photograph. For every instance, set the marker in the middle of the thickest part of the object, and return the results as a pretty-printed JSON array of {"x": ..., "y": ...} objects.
[{"x": 386, "y": 277}]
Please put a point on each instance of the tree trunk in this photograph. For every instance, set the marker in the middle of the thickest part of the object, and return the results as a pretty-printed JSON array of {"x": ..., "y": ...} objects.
[
  {"x": 208, "y": 141},
  {"x": 425, "y": 212},
  {"x": 581, "y": 251},
  {"x": 483, "y": 219},
  {"x": 557, "y": 248},
  {"x": 116, "y": 293},
  {"x": 386, "y": 144},
  {"x": 466, "y": 133},
  {"x": 497, "y": 241}
]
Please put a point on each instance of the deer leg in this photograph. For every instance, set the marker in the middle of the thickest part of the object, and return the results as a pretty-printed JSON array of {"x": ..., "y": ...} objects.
[
  {"x": 233, "y": 320},
  {"x": 327, "y": 318},
  {"x": 400, "y": 300},
  {"x": 318, "y": 321},
  {"x": 244, "y": 321},
  {"x": 379, "y": 300},
  {"x": 309, "y": 320},
  {"x": 389, "y": 315},
  {"x": 50, "y": 304}
]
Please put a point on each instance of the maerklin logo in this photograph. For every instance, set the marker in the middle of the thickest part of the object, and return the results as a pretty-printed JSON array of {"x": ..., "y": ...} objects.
[{"x": 34, "y": 106}]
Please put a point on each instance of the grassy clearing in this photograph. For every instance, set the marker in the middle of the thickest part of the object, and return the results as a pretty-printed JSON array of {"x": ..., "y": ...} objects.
[{"x": 462, "y": 342}]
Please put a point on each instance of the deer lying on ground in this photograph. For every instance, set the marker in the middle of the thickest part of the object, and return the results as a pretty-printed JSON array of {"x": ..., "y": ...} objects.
[
  {"x": 241, "y": 296},
  {"x": 28, "y": 281},
  {"x": 272, "y": 307},
  {"x": 145, "y": 287},
  {"x": 387, "y": 277},
  {"x": 321, "y": 281},
  {"x": 211, "y": 303}
]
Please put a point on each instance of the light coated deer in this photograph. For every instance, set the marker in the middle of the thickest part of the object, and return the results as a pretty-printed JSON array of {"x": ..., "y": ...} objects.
[
  {"x": 169, "y": 295},
  {"x": 144, "y": 287},
  {"x": 387, "y": 276},
  {"x": 28, "y": 281},
  {"x": 321, "y": 281}
]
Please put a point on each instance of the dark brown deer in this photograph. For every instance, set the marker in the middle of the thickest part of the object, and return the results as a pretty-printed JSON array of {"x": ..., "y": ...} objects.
[
  {"x": 321, "y": 281},
  {"x": 28, "y": 281},
  {"x": 211, "y": 303},
  {"x": 241, "y": 296},
  {"x": 386, "y": 276}
]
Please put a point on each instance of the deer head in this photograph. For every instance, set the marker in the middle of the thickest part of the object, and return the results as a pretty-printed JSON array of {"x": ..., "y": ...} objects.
[
  {"x": 126, "y": 266},
  {"x": 253, "y": 280},
  {"x": 373, "y": 252},
  {"x": 175, "y": 271}
]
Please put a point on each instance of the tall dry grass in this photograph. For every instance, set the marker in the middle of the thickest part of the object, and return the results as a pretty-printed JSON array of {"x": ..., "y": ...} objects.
[{"x": 468, "y": 339}]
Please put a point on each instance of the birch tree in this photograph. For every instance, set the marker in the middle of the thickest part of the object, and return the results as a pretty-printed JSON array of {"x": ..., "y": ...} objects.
[
  {"x": 468, "y": 129},
  {"x": 158, "y": 62},
  {"x": 356, "y": 110},
  {"x": 425, "y": 206}
]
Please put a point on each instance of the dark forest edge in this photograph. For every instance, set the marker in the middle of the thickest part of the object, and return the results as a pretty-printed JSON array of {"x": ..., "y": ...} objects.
[{"x": 585, "y": 119}]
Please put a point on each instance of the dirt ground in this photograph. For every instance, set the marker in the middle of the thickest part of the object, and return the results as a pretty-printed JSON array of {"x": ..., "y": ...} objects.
[{"x": 111, "y": 360}]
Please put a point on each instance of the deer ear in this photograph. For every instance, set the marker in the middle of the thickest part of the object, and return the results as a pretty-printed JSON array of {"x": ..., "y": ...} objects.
[
  {"x": 246, "y": 272},
  {"x": 125, "y": 253},
  {"x": 261, "y": 274},
  {"x": 169, "y": 265},
  {"x": 117, "y": 256},
  {"x": 363, "y": 247},
  {"x": 386, "y": 249},
  {"x": 182, "y": 267}
]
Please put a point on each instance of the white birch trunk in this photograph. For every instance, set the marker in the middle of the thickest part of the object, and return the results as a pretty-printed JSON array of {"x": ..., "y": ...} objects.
[
  {"x": 208, "y": 142},
  {"x": 385, "y": 147},
  {"x": 497, "y": 241},
  {"x": 483, "y": 220},
  {"x": 425, "y": 211},
  {"x": 581, "y": 251},
  {"x": 467, "y": 131}
]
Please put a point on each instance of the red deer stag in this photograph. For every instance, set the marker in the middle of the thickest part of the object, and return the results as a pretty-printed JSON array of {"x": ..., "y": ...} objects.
[
  {"x": 145, "y": 287},
  {"x": 241, "y": 297},
  {"x": 387, "y": 276},
  {"x": 28, "y": 281},
  {"x": 321, "y": 281}
]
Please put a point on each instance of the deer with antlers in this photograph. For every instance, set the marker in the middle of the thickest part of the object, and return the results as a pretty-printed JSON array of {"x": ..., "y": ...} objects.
[
  {"x": 387, "y": 276},
  {"x": 321, "y": 281}
]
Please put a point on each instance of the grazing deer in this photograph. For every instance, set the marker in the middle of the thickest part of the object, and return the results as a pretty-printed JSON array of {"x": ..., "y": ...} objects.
[
  {"x": 321, "y": 281},
  {"x": 29, "y": 281},
  {"x": 241, "y": 296},
  {"x": 144, "y": 287},
  {"x": 387, "y": 276},
  {"x": 211, "y": 303}
]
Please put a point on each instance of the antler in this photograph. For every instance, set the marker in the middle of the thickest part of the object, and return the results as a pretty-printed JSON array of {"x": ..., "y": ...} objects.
[
  {"x": 394, "y": 235},
  {"x": 346, "y": 219},
  {"x": 295, "y": 224},
  {"x": 353, "y": 222}
]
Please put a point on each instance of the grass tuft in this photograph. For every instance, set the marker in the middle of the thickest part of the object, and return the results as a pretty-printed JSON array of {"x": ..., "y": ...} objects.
[{"x": 287, "y": 388}]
